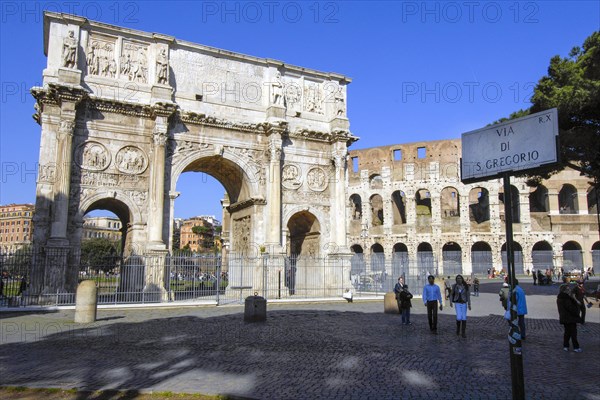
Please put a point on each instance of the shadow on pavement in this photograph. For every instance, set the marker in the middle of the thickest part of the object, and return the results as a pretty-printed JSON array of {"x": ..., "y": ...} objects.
[{"x": 300, "y": 354}]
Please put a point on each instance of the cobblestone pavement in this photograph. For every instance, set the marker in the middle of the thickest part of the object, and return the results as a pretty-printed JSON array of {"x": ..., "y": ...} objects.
[{"x": 303, "y": 351}]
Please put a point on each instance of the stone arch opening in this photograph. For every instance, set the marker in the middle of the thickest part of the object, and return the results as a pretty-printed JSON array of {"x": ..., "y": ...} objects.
[
  {"x": 356, "y": 203},
  {"x": 567, "y": 200},
  {"x": 425, "y": 260},
  {"x": 452, "y": 258},
  {"x": 542, "y": 256},
  {"x": 596, "y": 256},
  {"x": 128, "y": 244},
  {"x": 376, "y": 181},
  {"x": 481, "y": 258},
  {"x": 572, "y": 256},
  {"x": 304, "y": 231},
  {"x": 110, "y": 240},
  {"x": 592, "y": 200},
  {"x": 479, "y": 205},
  {"x": 518, "y": 252},
  {"x": 357, "y": 264},
  {"x": 423, "y": 202},
  {"x": 399, "y": 207},
  {"x": 450, "y": 202},
  {"x": 237, "y": 221},
  {"x": 376, "y": 210},
  {"x": 377, "y": 258},
  {"x": 515, "y": 206},
  {"x": 399, "y": 260},
  {"x": 538, "y": 200}
]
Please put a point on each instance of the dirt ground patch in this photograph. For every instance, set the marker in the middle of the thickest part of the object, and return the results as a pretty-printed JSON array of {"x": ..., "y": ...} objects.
[{"x": 21, "y": 393}]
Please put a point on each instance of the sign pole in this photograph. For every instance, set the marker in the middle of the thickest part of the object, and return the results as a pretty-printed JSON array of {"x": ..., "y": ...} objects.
[{"x": 514, "y": 336}]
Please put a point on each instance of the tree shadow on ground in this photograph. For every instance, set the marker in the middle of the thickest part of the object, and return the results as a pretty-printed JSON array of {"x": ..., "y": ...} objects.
[{"x": 300, "y": 354}]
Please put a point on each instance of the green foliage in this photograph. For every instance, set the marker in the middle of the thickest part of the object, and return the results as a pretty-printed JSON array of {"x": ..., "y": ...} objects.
[
  {"x": 99, "y": 254},
  {"x": 202, "y": 230},
  {"x": 573, "y": 87},
  {"x": 18, "y": 262}
]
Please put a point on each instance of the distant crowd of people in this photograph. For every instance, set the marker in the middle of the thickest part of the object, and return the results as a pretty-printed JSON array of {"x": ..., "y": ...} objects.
[{"x": 571, "y": 303}]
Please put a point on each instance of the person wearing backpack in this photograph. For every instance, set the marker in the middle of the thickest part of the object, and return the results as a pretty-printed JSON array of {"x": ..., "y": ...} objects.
[{"x": 405, "y": 305}]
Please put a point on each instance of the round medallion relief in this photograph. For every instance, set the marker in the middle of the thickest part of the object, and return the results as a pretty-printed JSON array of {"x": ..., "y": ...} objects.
[
  {"x": 131, "y": 160},
  {"x": 290, "y": 177},
  {"x": 317, "y": 179},
  {"x": 92, "y": 156}
]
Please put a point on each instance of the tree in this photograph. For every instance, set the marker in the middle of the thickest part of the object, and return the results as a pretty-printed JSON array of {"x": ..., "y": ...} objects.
[
  {"x": 99, "y": 254},
  {"x": 573, "y": 87}
]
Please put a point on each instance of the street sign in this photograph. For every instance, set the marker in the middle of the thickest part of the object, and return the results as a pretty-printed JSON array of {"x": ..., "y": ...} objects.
[{"x": 516, "y": 145}]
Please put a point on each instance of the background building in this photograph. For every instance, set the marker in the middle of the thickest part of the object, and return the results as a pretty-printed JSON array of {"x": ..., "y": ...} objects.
[
  {"x": 198, "y": 234},
  {"x": 102, "y": 227},
  {"x": 15, "y": 226},
  {"x": 407, "y": 208}
]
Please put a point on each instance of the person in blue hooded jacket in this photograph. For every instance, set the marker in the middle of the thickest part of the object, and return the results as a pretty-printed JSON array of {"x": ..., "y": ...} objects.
[{"x": 521, "y": 307}]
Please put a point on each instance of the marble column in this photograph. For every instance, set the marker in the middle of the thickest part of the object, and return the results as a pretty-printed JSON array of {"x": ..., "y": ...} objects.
[
  {"x": 273, "y": 229},
  {"x": 338, "y": 210},
  {"x": 60, "y": 214},
  {"x": 157, "y": 185}
]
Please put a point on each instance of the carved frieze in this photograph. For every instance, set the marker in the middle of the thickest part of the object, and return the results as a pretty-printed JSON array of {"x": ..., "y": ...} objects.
[
  {"x": 139, "y": 197},
  {"x": 242, "y": 234},
  {"x": 92, "y": 156},
  {"x": 46, "y": 173},
  {"x": 251, "y": 161},
  {"x": 134, "y": 61},
  {"x": 183, "y": 148},
  {"x": 106, "y": 179},
  {"x": 100, "y": 56},
  {"x": 313, "y": 98},
  {"x": 305, "y": 197},
  {"x": 131, "y": 160},
  {"x": 201, "y": 119}
]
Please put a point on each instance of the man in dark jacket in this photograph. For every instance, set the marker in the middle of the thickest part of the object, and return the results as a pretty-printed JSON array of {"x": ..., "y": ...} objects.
[
  {"x": 568, "y": 312},
  {"x": 397, "y": 290}
]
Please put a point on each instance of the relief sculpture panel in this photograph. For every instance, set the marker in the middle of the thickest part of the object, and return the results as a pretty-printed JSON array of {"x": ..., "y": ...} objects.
[{"x": 131, "y": 160}]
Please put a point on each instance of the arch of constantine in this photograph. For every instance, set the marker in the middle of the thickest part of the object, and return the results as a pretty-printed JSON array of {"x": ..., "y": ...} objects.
[{"x": 124, "y": 113}]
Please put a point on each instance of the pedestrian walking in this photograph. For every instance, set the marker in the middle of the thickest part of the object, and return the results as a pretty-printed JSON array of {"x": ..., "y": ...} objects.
[
  {"x": 397, "y": 290},
  {"x": 447, "y": 288},
  {"x": 568, "y": 312},
  {"x": 431, "y": 297},
  {"x": 579, "y": 292},
  {"x": 405, "y": 305},
  {"x": 503, "y": 294},
  {"x": 476, "y": 287},
  {"x": 521, "y": 306},
  {"x": 534, "y": 278},
  {"x": 461, "y": 298}
]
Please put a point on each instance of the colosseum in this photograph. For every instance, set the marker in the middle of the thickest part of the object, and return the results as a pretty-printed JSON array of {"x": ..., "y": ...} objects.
[{"x": 409, "y": 213}]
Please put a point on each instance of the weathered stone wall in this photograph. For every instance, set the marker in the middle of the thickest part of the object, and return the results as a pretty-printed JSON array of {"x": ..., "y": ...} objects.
[{"x": 447, "y": 210}]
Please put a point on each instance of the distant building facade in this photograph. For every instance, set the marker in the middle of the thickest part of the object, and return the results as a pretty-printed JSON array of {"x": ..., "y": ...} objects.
[
  {"x": 16, "y": 226},
  {"x": 102, "y": 227},
  {"x": 198, "y": 234},
  {"x": 408, "y": 207}
]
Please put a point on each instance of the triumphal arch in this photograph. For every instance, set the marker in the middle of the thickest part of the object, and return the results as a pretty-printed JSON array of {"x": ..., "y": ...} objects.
[{"x": 124, "y": 113}]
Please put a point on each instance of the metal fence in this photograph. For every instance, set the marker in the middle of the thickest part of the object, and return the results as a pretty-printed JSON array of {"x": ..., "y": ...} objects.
[
  {"x": 481, "y": 262},
  {"x": 572, "y": 259}
]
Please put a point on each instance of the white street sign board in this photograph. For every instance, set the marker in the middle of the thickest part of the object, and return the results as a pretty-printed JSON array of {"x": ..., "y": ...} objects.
[{"x": 516, "y": 145}]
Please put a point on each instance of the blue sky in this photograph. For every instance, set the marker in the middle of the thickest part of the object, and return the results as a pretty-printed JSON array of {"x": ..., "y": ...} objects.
[{"x": 420, "y": 70}]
